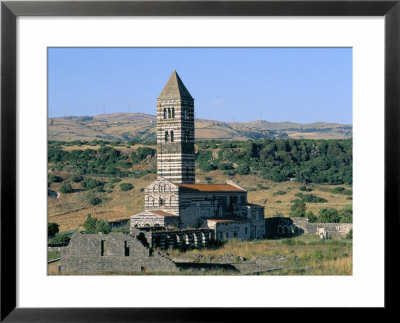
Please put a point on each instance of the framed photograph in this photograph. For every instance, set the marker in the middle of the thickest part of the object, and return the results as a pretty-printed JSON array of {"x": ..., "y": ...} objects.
[{"x": 189, "y": 155}]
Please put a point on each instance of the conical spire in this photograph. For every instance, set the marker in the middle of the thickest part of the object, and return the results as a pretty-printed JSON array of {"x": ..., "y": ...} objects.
[{"x": 175, "y": 89}]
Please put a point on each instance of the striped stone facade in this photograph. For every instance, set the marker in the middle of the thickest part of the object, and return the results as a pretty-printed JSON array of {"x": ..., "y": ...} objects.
[
  {"x": 175, "y": 132},
  {"x": 173, "y": 199}
]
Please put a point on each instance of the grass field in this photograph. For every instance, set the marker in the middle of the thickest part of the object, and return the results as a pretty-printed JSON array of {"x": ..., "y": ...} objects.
[{"x": 70, "y": 209}]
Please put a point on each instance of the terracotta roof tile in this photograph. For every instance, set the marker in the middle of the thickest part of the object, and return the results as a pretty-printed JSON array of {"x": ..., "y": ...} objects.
[{"x": 227, "y": 219}]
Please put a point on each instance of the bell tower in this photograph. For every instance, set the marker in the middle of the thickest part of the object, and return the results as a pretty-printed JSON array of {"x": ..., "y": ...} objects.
[{"x": 175, "y": 132}]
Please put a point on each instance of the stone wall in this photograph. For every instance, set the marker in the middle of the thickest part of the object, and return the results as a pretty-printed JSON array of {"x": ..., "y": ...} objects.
[
  {"x": 114, "y": 252},
  {"x": 314, "y": 228},
  {"x": 292, "y": 226},
  {"x": 197, "y": 205},
  {"x": 255, "y": 213}
]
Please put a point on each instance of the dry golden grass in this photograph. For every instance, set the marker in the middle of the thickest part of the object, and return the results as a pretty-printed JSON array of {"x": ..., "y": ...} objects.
[{"x": 70, "y": 210}]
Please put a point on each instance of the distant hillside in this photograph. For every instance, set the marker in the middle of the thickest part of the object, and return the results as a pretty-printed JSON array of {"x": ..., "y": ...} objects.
[{"x": 125, "y": 126}]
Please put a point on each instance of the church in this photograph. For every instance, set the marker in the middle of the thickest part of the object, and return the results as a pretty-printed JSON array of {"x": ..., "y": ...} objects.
[{"x": 174, "y": 200}]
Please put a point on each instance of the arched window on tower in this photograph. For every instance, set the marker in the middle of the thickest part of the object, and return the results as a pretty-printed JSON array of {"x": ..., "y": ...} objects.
[
  {"x": 161, "y": 202},
  {"x": 172, "y": 136},
  {"x": 165, "y": 113},
  {"x": 169, "y": 113},
  {"x": 166, "y": 136},
  {"x": 173, "y": 112}
]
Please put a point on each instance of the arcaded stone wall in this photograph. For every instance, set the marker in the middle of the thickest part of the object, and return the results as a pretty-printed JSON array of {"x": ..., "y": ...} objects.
[{"x": 114, "y": 252}]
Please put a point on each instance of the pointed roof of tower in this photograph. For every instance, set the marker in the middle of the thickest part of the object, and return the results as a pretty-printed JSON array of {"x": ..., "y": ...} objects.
[{"x": 175, "y": 88}]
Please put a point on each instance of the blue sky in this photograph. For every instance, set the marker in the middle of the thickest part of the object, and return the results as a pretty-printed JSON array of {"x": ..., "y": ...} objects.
[{"x": 228, "y": 84}]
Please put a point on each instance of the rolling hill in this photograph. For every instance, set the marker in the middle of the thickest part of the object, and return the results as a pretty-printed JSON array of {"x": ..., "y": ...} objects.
[{"x": 125, "y": 126}]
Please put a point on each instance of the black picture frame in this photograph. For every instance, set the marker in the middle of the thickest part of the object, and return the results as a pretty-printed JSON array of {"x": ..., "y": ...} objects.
[{"x": 10, "y": 10}]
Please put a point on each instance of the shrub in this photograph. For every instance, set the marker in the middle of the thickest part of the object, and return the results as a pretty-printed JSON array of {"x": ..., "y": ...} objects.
[
  {"x": 337, "y": 190},
  {"x": 89, "y": 183},
  {"x": 278, "y": 202},
  {"x": 59, "y": 240},
  {"x": 125, "y": 186},
  {"x": 90, "y": 224},
  {"x": 350, "y": 234},
  {"x": 305, "y": 189},
  {"x": 55, "y": 179},
  {"x": 52, "y": 228},
  {"x": 243, "y": 169},
  {"x": 310, "y": 198},
  {"x": 92, "y": 199},
  {"x": 311, "y": 217},
  {"x": 279, "y": 193},
  {"x": 346, "y": 214},
  {"x": 102, "y": 226},
  {"x": 347, "y": 192},
  {"x": 328, "y": 216},
  {"x": 115, "y": 180},
  {"x": 66, "y": 188},
  {"x": 77, "y": 178},
  {"x": 298, "y": 209},
  {"x": 142, "y": 189}
]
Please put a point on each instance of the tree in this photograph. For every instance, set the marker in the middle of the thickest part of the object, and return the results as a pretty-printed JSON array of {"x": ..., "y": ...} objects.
[
  {"x": 52, "y": 228},
  {"x": 102, "y": 226},
  {"x": 125, "y": 186},
  {"x": 346, "y": 214},
  {"x": 54, "y": 178},
  {"x": 66, "y": 188},
  {"x": 328, "y": 216},
  {"x": 243, "y": 169},
  {"x": 311, "y": 217},
  {"x": 298, "y": 209},
  {"x": 90, "y": 224},
  {"x": 94, "y": 225}
]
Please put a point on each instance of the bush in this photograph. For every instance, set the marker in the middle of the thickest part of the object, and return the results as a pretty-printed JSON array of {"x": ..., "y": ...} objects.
[
  {"x": 279, "y": 193},
  {"x": 305, "y": 189},
  {"x": 115, "y": 180},
  {"x": 92, "y": 199},
  {"x": 311, "y": 217},
  {"x": 52, "y": 228},
  {"x": 298, "y": 209},
  {"x": 55, "y": 179},
  {"x": 102, "y": 226},
  {"x": 90, "y": 224},
  {"x": 310, "y": 198},
  {"x": 328, "y": 216},
  {"x": 346, "y": 214},
  {"x": 77, "y": 178},
  {"x": 243, "y": 169},
  {"x": 89, "y": 183},
  {"x": 59, "y": 240},
  {"x": 66, "y": 188},
  {"x": 142, "y": 189},
  {"x": 350, "y": 234},
  {"x": 125, "y": 186},
  {"x": 337, "y": 190}
]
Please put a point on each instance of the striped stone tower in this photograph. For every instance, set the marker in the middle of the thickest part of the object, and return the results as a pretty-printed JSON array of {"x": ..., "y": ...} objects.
[{"x": 175, "y": 132}]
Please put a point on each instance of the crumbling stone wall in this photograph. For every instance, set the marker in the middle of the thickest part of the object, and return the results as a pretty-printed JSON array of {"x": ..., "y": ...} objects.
[
  {"x": 114, "y": 252},
  {"x": 314, "y": 228},
  {"x": 280, "y": 226}
]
